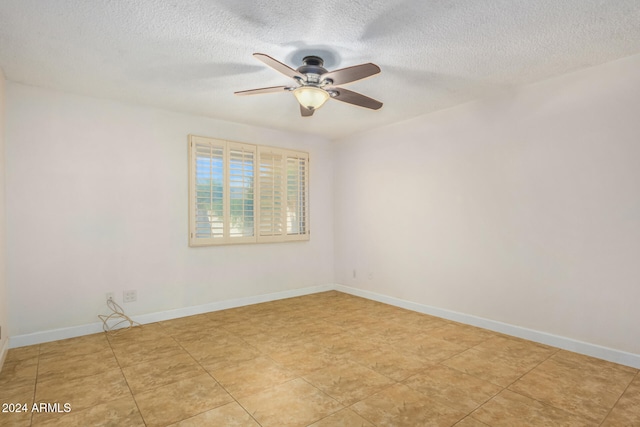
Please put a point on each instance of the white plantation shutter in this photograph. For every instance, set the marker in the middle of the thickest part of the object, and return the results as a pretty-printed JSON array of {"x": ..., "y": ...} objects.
[
  {"x": 271, "y": 194},
  {"x": 207, "y": 201},
  {"x": 221, "y": 192},
  {"x": 283, "y": 187},
  {"x": 297, "y": 209},
  {"x": 243, "y": 193},
  {"x": 241, "y": 190}
]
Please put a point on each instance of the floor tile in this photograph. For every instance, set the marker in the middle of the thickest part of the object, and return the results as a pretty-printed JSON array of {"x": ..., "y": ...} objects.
[
  {"x": 156, "y": 373},
  {"x": 229, "y": 415},
  {"x": 19, "y": 373},
  {"x": 227, "y": 316},
  {"x": 251, "y": 376},
  {"x": 198, "y": 335},
  {"x": 385, "y": 332},
  {"x": 19, "y": 414},
  {"x": 488, "y": 365},
  {"x": 452, "y": 387},
  {"x": 17, "y": 386},
  {"x": 581, "y": 385},
  {"x": 390, "y": 363},
  {"x": 422, "y": 322},
  {"x": 627, "y": 409},
  {"x": 294, "y": 403},
  {"x": 400, "y": 406},
  {"x": 62, "y": 368},
  {"x": 148, "y": 332},
  {"x": 429, "y": 348},
  {"x": 214, "y": 355},
  {"x": 464, "y": 335},
  {"x": 12, "y": 392},
  {"x": 131, "y": 353},
  {"x": 83, "y": 392},
  {"x": 348, "y": 382},
  {"x": 510, "y": 409},
  {"x": 314, "y": 329},
  {"x": 23, "y": 353},
  {"x": 267, "y": 344},
  {"x": 344, "y": 417},
  {"x": 302, "y": 358},
  {"x": 180, "y": 400},
  {"x": 250, "y": 327},
  {"x": 121, "y": 412},
  {"x": 344, "y": 343},
  {"x": 197, "y": 320},
  {"x": 470, "y": 422},
  {"x": 95, "y": 343}
]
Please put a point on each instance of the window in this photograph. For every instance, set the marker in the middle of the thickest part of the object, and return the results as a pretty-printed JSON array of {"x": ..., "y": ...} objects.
[{"x": 244, "y": 193}]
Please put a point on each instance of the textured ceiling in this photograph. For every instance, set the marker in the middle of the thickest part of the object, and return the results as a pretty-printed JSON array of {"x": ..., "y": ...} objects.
[{"x": 191, "y": 55}]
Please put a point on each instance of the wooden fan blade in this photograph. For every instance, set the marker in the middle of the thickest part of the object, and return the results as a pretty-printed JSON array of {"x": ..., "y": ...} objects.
[
  {"x": 355, "y": 98},
  {"x": 305, "y": 112},
  {"x": 272, "y": 89},
  {"x": 351, "y": 74},
  {"x": 278, "y": 66}
]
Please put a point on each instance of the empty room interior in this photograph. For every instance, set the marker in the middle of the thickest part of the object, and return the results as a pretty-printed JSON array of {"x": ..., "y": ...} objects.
[{"x": 452, "y": 238}]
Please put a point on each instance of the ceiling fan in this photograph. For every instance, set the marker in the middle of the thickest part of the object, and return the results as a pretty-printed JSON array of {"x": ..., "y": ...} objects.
[{"x": 315, "y": 85}]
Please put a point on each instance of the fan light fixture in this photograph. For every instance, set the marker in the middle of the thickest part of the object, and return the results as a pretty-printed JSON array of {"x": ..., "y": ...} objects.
[{"x": 311, "y": 97}]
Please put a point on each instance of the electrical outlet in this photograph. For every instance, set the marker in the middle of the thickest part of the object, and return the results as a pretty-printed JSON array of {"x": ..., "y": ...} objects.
[
  {"x": 110, "y": 296},
  {"x": 129, "y": 296}
]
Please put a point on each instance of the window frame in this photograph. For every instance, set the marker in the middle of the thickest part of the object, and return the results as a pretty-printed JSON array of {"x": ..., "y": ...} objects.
[{"x": 301, "y": 205}]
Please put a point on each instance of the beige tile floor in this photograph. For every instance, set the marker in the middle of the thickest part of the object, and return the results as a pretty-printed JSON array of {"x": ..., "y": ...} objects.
[{"x": 328, "y": 359}]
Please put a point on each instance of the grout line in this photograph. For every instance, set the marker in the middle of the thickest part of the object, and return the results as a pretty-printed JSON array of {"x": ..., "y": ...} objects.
[
  {"x": 471, "y": 418},
  {"x": 35, "y": 386},
  {"x": 637, "y": 375},
  {"x": 125, "y": 377},
  {"x": 538, "y": 364}
]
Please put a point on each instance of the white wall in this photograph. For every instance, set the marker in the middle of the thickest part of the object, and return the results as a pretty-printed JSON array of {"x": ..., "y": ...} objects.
[
  {"x": 4, "y": 307},
  {"x": 97, "y": 202},
  {"x": 523, "y": 209}
]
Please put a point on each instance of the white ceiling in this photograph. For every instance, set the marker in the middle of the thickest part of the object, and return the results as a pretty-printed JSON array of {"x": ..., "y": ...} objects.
[{"x": 191, "y": 55}]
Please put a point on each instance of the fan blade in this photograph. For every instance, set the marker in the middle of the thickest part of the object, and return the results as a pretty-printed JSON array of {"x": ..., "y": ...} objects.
[
  {"x": 355, "y": 98},
  {"x": 351, "y": 74},
  {"x": 279, "y": 66},
  {"x": 305, "y": 112},
  {"x": 263, "y": 90}
]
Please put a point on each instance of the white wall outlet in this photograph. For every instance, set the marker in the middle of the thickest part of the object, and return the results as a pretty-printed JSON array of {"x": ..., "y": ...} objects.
[
  {"x": 111, "y": 296},
  {"x": 130, "y": 296}
]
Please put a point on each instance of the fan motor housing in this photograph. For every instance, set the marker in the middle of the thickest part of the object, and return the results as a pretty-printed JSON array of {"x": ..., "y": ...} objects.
[{"x": 312, "y": 68}]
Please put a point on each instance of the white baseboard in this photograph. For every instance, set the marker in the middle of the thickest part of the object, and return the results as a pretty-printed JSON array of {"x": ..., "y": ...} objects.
[
  {"x": 93, "y": 328},
  {"x": 588, "y": 349}
]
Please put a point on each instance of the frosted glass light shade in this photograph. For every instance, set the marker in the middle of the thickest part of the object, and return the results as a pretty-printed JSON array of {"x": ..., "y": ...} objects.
[{"x": 311, "y": 97}]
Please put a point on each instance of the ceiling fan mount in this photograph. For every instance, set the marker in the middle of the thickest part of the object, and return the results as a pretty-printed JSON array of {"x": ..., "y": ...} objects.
[
  {"x": 312, "y": 68},
  {"x": 315, "y": 84}
]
